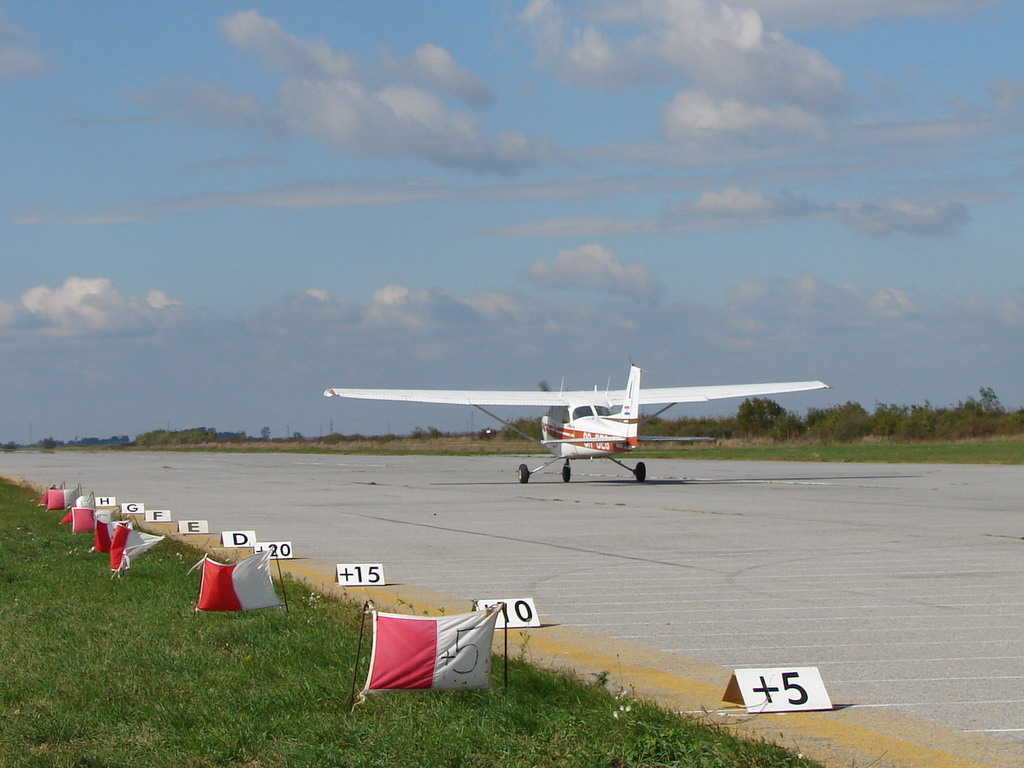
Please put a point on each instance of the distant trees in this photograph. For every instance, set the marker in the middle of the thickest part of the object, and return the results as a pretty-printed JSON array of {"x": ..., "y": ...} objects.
[
  {"x": 840, "y": 423},
  {"x": 761, "y": 418},
  {"x": 755, "y": 418},
  {"x": 163, "y": 437},
  {"x": 981, "y": 417}
]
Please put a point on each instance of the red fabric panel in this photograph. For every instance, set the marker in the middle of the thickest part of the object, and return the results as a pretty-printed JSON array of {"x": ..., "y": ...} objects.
[
  {"x": 404, "y": 653},
  {"x": 101, "y": 538},
  {"x": 216, "y": 590},
  {"x": 82, "y": 520},
  {"x": 117, "y": 543}
]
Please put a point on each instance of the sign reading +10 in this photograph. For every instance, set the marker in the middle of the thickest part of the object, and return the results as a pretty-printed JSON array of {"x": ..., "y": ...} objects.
[{"x": 517, "y": 612}]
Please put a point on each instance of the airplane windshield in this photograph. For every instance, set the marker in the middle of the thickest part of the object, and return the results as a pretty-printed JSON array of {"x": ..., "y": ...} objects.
[{"x": 583, "y": 411}]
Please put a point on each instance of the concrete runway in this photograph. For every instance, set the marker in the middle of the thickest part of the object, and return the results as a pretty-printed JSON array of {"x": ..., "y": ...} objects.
[{"x": 903, "y": 584}]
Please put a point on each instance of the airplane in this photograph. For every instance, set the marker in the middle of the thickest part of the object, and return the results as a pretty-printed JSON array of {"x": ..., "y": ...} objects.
[{"x": 584, "y": 424}]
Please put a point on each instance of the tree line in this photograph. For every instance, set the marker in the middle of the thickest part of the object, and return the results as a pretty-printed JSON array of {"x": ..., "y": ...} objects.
[
  {"x": 756, "y": 418},
  {"x": 761, "y": 418}
]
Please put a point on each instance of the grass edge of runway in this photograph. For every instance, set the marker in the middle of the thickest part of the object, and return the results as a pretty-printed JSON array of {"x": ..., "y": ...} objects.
[
  {"x": 118, "y": 672},
  {"x": 994, "y": 451}
]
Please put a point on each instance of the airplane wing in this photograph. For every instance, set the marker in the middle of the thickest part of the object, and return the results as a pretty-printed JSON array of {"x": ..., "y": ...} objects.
[
  {"x": 653, "y": 396},
  {"x": 453, "y": 396},
  {"x": 659, "y": 395}
]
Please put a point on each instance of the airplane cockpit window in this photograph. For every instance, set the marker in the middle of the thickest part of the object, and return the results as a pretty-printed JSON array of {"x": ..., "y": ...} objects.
[
  {"x": 558, "y": 414},
  {"x": 602, "y": 410},
  {"x": 582, "y": 412}
]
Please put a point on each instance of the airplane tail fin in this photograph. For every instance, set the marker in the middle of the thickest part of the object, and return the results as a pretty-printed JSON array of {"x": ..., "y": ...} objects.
[{"x": 631, "y": 405}]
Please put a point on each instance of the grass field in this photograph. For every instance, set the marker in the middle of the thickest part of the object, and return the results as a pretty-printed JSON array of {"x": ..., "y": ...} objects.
[{"x": 111, "y": 673}]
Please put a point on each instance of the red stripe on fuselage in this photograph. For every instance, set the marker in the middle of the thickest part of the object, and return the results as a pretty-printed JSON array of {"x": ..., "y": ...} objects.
[{"x": 599, "y": 442}]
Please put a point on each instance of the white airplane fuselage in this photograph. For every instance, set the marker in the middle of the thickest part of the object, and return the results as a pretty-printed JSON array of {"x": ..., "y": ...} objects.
[{"x": 585, "y": 437}]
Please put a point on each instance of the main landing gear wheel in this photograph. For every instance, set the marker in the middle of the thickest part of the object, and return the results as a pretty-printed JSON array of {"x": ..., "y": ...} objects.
[
  {"x": 640, "y": 473},
  {"x": 566, "y": 472},
  {"x": 524, "y": 473}
]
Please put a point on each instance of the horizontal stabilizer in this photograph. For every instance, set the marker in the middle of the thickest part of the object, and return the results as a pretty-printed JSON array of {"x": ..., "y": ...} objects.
[
  {"x": 588, "y": 440},
  {"x": 670, "y": 439}
]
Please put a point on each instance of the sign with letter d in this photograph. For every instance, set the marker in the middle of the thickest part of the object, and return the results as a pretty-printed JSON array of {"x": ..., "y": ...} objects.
[{"x": 237, "y": 538}]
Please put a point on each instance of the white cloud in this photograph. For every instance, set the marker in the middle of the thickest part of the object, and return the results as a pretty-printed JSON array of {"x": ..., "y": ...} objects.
[
  {"x": 435, "y": 69},
  {"x": 808, "y": 14},
  {"x": 19, "y": 59},
  {"x": 594, "y": 267},
  {"x": 885, "y": 217},
  {"x": 396, "y": 306},
  {"x": 184, "y": 98},
  {"x": 740, "y": 207},
  {"x": 87, "y": 306},
  {"x": 723, "y": 50},
  {"x": 396, "y": 109},
  {"x": 157, "y": 299},
  {"x": 280, "y": 51},
  {"x": 734, "y": 207},
  {"x": 788, "y": 313},
  {"x": 891, "y": 303},
  {"x": 695, "y": 116},
  {"x": 313, "y": 195},
  {"x": 734, "y": 201}
]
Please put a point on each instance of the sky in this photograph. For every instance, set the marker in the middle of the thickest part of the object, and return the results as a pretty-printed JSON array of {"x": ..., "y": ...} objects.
[{"x": 211, "y": 212}]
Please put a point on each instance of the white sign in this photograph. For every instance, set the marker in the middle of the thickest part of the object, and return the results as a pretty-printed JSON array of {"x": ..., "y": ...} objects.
[
  {"x": 133, "y": 508},
  {"x": 786, "y": 689},
  {"x": 279, "y": 550},
  {"x": 237, "y": 538},
  {"x": 193, "y": 526},
  {"x": 158, "y": 515},
  {"x": 360, "y": 574},
  {"x": 106, "y": 501},
  {"x": 518, "y": 612}
]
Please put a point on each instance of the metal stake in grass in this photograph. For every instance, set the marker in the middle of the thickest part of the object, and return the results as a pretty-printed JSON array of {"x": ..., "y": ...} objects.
[
  {"x": 367, "y": 608},
  {"x": 199, "y": 589},
  {"x": 284, "y": 594}
]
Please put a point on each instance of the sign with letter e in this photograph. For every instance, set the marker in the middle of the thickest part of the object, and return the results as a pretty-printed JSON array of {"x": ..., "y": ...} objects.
[
  {"x": 229, "y": 539},
  {"x": 193, "y": 526},
  {"x": 787, "y": 689},
  {"x": 518, "y": 612}
]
